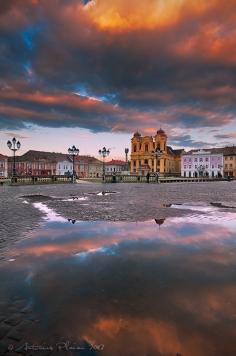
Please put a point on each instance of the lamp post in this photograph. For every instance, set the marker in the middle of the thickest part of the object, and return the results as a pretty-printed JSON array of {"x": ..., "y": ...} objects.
[
  {"x": 104, "y": 153},
  {"x": 126, "y": 158},
  {"x": 73, "y": 151},
  {"x": 14, "y": 146},
  {"x": 157, "y": 153}
]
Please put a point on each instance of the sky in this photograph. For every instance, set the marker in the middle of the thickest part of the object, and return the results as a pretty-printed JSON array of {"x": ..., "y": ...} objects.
[{"x": 92, "y": 72}]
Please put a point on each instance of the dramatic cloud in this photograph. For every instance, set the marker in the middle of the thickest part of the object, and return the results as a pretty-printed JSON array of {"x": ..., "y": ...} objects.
[{"x": 118, "y": 66}]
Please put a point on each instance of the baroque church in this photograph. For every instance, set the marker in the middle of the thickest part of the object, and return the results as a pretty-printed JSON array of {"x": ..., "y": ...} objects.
[{"x": 152, "y": 154}]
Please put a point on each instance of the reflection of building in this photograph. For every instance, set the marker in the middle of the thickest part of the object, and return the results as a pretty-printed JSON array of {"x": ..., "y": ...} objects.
[
  {"x": 151, "y": 154},
  {"x": 115, "y": 167},
  {"x": 202, "y": 164},
  {"x": 3, "y": 166}
]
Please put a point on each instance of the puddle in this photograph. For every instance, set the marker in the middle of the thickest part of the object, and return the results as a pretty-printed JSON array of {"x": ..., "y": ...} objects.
[{"x": 137, "y": 288}]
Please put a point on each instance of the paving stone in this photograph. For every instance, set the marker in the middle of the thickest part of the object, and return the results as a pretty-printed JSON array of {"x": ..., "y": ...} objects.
[
  {"x": 14, "y": 319},
  {"x": 19, "y": 304},
  {"x": 15, "y": 335},
  {"x": 3, "y": 347},
  {"x": 4, "y": 329},
  {"x": 26, "y": 309},
  {"x": 24, "y": 326}
]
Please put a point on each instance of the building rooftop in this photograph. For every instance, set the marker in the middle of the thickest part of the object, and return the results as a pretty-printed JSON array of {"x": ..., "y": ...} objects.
[
  {"x": 115, "y": 162},
  {"x": 2, "y": 156},
  {"x": 227, "y": 151},
  {"x": 173, "y": 151},
  {"x": 161, "y": 132},
  {"x": 137, "y": 134},
  {"x": 33, "y": 155}
]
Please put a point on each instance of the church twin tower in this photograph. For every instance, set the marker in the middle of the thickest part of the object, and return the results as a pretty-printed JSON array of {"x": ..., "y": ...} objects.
[{"x": 151, "y": 154}]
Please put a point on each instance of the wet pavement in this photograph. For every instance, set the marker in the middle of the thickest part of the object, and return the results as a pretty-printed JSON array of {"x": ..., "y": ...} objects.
[{"x": 154, "y": 275}]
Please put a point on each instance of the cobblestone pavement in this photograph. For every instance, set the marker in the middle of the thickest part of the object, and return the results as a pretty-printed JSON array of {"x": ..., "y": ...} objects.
[
  {"x": 130, "y": 202},
  {"x": 22, "y": 211}
]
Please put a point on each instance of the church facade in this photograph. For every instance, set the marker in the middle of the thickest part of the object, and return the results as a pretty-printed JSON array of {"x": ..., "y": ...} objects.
[{"x": 152, "y": 154}]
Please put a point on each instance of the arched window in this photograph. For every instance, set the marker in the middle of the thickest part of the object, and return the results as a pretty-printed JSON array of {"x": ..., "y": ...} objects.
[
  {"x": 135, "y": 148},
  {"x": 146, "y": 147}
]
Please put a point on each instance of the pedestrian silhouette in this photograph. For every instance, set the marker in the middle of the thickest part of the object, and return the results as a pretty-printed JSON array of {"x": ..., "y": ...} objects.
[{"x": 148, "y": 177}]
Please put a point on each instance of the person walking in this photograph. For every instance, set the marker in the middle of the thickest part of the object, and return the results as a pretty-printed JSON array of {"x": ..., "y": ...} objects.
[
  {"x": 157, "y": 177},
  {"x": 148, "y": 177}
]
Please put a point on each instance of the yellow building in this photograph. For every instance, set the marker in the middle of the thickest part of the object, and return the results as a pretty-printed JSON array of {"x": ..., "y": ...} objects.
[{"x": 151, "y": 154}]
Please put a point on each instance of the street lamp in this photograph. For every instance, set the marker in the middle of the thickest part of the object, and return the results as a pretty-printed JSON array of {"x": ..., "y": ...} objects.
[
  {"x": 157, "y": 153},
  {"x": 104, "y": 153},
  {"x": 126, "y": 158},
  {"x": 73, "y": 151},
  {"x": 14, "y": 146}
]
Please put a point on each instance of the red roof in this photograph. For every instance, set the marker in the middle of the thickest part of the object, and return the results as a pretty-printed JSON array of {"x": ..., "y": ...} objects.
[
  {"x": 115, "y": 162},
  {"x": 2, "y": 156}
]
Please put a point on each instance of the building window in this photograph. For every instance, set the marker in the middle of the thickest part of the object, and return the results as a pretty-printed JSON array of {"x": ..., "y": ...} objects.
[
  {"x": 212, "y": 166},
  {"x": 146, "y": 148},
  {"x": 189, "y": 167},
  {"x": 231, "y": 158},
  {"x": 184, "y": 159},
  {"x": 189, "y": 174},
  {"x": 134, "y": 163},
  {"x": 195, "y": 165},
  {"x": 226, "y": 166},
  {"x": 184, "y": 167},
  {"x": 206, "y": 165},
  {"x": 231, "y": 166},
  {"x": 145, "y": 161},
  {"x": 206, "y": 159},
  {"x": 189, "y": 160},
  {"x": 195, "y": 159},
  {"x": 200, "y": 159}
]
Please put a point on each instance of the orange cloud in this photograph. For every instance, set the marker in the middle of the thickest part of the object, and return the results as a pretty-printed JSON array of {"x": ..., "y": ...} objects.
[{"x": 138, "y": 14}]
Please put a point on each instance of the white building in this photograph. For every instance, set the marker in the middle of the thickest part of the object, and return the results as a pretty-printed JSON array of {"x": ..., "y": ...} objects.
[
  {"x": 115, "y": 167},
  {"x": 64, "y": 168},
  {"x": 202, "y": 164}
]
